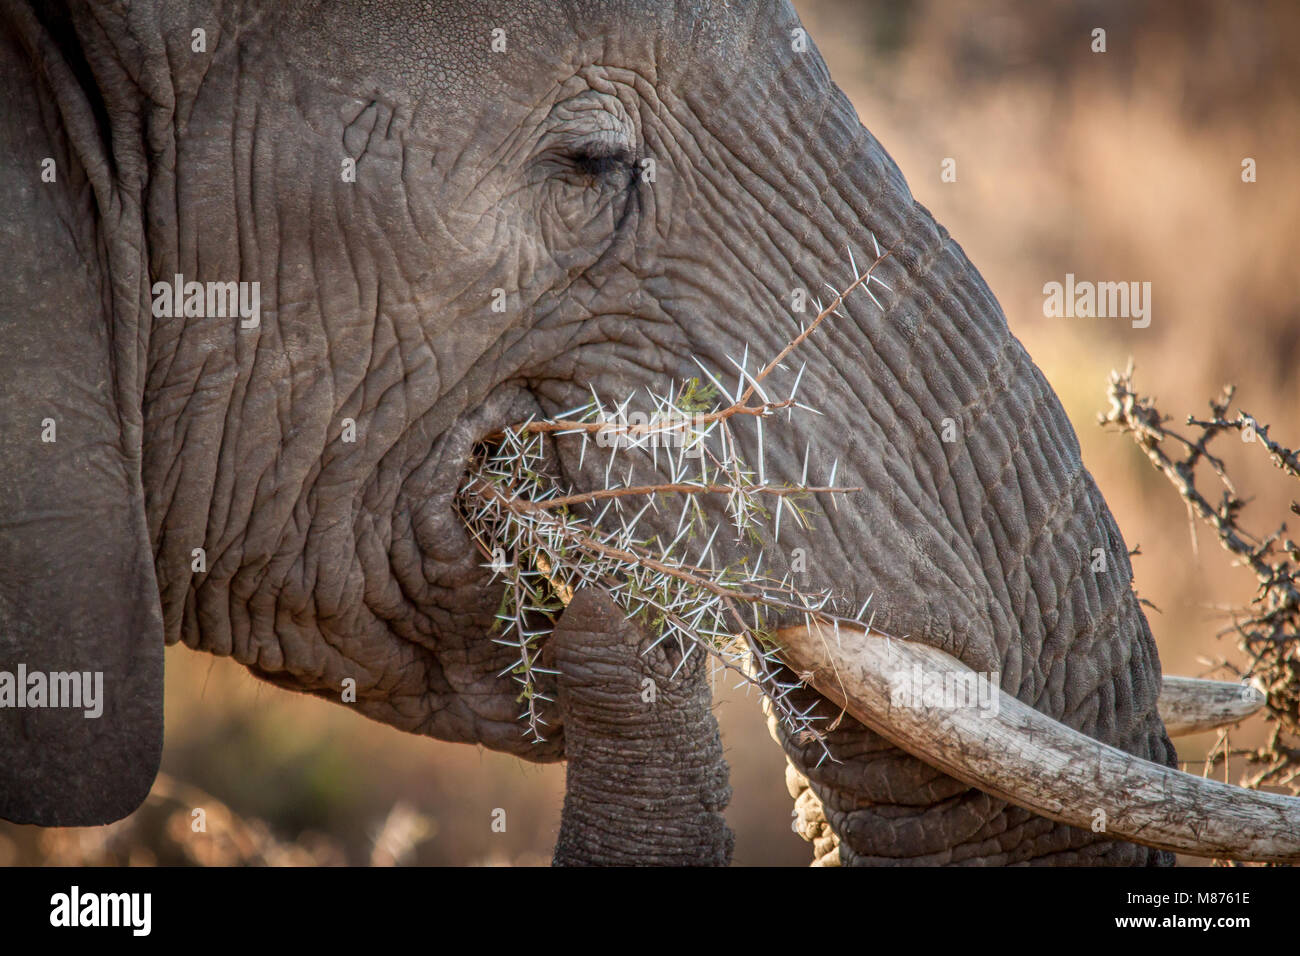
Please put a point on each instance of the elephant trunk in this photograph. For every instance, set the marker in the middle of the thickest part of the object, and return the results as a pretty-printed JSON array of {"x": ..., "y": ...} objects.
[
  {"x": 646, "y": 782},
  {"x": 973, "y": 528}
]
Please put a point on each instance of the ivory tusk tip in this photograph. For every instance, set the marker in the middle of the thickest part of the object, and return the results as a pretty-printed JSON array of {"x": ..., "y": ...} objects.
[
  {"x": 1191, "y": 705},
  {"x": 1014, "y": 752}
]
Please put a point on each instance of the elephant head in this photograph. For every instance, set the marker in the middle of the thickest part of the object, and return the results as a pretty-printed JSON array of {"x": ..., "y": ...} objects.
[{"x": 444, "y": 219}]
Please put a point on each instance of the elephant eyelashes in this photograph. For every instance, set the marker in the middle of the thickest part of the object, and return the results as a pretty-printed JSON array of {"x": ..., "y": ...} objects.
[
  {"x": 596, "y": 167},
  {"x": 599, "y": 166}
]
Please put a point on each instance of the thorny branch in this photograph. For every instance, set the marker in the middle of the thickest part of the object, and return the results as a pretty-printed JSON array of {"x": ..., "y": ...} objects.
[
  {"x": 667, "y": 489},
  {"x": 741, "y": 405},
  {"x": 547, "y": 541},
  {"x": 1268, "y": 630}
]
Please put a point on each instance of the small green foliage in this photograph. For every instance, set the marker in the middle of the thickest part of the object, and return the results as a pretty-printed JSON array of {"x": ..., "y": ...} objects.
[{"x": 696, "y": 398}]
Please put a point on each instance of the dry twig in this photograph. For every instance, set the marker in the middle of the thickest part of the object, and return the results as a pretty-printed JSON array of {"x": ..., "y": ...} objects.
[{"x": 1268, "y": 630}]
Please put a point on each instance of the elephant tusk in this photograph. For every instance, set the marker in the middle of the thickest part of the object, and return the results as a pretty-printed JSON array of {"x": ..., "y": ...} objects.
[
  {"x": 1190, "y": 705},
  {"x": 1012, "y": 751}
]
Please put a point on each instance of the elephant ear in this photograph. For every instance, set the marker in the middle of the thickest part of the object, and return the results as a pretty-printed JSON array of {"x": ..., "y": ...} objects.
[{"x": 80, "y": 623}]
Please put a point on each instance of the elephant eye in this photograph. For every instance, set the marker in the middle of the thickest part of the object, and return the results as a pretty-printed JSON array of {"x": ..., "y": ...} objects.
[
  {"x": 586, "y": 164},
  {"x": 601, "y": 164}
]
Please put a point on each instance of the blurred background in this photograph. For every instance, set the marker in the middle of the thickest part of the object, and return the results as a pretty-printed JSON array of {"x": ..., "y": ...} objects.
[{"x": 1116, "y": 166}]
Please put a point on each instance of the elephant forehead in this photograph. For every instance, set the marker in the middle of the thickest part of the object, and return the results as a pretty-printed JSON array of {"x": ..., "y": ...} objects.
[{"x": 454, "y": 55}]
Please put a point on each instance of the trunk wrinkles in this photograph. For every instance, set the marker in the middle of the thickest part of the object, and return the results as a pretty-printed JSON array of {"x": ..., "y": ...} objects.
[{"x": 646, "y": 783}]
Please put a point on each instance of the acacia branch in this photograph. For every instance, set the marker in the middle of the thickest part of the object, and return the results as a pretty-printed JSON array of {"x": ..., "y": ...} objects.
[
  {"x": 550, "y": 504},
  {"x": 510, "y": 501},
  {"x": 858, "y": 280}
]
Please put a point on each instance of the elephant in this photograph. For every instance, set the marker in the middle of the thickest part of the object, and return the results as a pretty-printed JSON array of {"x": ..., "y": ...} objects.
[{"x": 413, "y": 225}]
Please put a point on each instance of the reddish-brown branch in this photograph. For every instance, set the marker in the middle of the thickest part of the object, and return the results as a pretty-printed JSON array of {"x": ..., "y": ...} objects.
[
  {"x": 650, "y": 428},
  {"x": 817, "y": 320},
  {"x": 740, "y": 407},
  {"x": 681, "y": 489}
]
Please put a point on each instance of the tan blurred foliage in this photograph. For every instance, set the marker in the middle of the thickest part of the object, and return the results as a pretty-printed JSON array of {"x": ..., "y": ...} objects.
[{"x": 178, "y": 825}]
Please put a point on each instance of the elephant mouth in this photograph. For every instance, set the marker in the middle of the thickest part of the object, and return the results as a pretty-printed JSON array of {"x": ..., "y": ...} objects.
[
  {"x": 481, "y": 484},
  {"x": 489, "y": 563},
  {"x": 440, "y": 592}
]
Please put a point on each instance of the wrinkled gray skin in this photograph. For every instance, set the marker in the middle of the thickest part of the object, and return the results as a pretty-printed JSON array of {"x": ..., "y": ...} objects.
[
  {"x": 645, "y": 784},
  {"x": 517, "y": 171}
]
